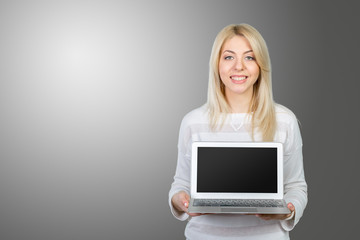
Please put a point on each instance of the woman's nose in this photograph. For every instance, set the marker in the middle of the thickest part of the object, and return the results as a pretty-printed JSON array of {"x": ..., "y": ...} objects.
[{"x": 239, "y": 65}]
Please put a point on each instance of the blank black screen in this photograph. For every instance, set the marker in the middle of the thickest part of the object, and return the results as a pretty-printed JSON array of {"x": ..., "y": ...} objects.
[{"x": 237, "y": 170}]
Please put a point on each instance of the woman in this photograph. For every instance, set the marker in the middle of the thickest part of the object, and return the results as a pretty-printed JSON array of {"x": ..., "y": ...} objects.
[{"x": 240, "y": 107}]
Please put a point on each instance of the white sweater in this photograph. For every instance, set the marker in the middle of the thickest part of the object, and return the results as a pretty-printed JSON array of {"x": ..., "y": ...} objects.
[{"x": 195, "y": 127}]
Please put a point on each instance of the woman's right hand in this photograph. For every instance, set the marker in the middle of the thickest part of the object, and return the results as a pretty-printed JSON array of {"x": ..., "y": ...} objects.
[{"x": 181, "y": 201}]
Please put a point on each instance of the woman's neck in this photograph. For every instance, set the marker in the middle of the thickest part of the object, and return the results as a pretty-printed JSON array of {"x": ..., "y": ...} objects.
[{"x": 239, "y": 103}]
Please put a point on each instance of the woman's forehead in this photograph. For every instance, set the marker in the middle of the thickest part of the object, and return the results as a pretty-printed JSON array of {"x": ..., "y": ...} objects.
[{"x": 238, "y": 44}]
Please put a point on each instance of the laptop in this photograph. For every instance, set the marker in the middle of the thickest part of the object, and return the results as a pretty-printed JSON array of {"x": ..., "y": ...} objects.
[{"x": 237, "y": 177}]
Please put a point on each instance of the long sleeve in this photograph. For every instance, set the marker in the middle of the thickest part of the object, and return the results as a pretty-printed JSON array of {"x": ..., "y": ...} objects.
[
  {"x": 181, "y": 183},
  {"x": 295, "y": 187},
  {"x": 182, "y": 175}
]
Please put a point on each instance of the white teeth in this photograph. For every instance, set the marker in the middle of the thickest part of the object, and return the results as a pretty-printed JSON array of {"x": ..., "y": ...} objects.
[{"x": 238, "y": 78}]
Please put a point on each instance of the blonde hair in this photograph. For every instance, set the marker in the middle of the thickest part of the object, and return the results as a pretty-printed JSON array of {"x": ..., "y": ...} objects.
[{"x": 262, "y": 106}]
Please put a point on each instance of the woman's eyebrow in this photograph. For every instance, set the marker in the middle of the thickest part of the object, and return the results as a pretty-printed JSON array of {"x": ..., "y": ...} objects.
[
  {"x": 248, "y": 51},
  {"x": 229, "y": 51},
  {"x": 235, "y": 53}
]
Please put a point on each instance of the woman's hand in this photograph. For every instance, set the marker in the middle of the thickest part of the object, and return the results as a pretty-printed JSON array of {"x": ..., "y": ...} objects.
[
  {"x": 181, "y": 201},
  {"x": 278, "y": 216}
]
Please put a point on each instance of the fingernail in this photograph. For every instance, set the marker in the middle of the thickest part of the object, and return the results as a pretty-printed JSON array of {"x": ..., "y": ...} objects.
[{"x": 185, "y": 204}]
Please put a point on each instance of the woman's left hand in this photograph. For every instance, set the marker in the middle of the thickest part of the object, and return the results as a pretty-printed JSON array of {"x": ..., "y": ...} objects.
[{"x": 278, "y": 216}]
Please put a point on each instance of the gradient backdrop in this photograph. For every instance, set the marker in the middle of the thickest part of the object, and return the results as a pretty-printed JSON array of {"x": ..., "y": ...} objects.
[{"x": 92, "y": 94}]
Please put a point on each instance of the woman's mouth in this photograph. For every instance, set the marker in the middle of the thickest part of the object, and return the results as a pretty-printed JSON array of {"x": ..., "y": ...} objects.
[{"x": 238, "y": 79}]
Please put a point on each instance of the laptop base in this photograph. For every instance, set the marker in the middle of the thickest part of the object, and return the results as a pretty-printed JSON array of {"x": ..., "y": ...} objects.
[{"x": 237, "y": 210}]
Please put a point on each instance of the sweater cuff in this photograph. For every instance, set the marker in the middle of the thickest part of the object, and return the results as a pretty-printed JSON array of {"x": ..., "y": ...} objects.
[
  {"x": 289, "y": 224},
  {"x": 182, "y": 216}
]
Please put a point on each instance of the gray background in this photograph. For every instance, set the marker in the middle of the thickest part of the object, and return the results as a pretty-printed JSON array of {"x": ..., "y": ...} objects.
[{"x": 92, "y": 94}]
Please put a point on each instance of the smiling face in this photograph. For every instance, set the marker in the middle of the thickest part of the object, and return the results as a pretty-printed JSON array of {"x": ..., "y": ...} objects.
[{"x": 238, "y": 68}]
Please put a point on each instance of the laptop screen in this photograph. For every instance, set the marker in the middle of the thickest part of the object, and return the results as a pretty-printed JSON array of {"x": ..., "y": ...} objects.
[{"x": 237, "y": 170}]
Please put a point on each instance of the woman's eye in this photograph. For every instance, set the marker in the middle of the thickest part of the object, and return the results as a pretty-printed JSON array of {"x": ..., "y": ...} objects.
[
  {"x": 249, "y": 58},
  {"x": 229, "y": 57}
]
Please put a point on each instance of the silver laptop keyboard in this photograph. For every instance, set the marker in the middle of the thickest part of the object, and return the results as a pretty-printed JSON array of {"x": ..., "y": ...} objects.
[{"x": 239, "y": 202}]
